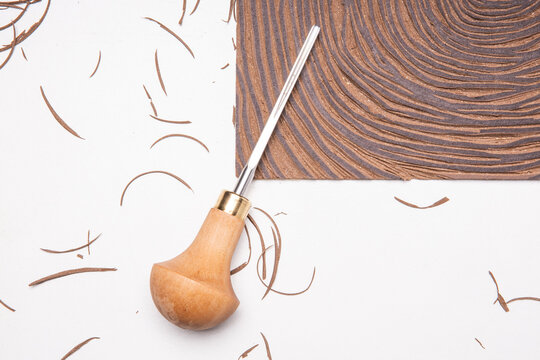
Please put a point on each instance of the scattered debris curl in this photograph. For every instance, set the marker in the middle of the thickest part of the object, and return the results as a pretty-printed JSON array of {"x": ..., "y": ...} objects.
[
  {"x": 153, "y": 172},
  {"x": 173, "y": 34},
  {"x": 77, "y": 347},
  {"x": 436, "y": 203},
  {"x": 74, "y": 249},
  {"x": 57, "y": 117},
  {"x": 159, "y": 73},
  {"x": 97, "y": 65},
  {"x": 180, "y": 135},
  {"x": 151, "y": 101},
  {"x": 478, "y": 341},
  {"x": 7, "y": 306},
  {"x": 69, "y": 272},
  {"x": 170, "y": 121},
  {"x": 246, "y": 353}
]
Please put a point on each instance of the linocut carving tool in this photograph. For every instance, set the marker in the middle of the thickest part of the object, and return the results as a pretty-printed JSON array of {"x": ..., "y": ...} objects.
[{"x": 193, "y": 290}]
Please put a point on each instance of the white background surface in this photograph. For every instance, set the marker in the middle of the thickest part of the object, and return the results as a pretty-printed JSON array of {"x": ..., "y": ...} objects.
[{"x": 392, "y": 282}]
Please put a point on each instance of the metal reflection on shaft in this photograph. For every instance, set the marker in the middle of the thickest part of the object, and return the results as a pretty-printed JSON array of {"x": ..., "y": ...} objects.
[{"x": 248, "y": 172}]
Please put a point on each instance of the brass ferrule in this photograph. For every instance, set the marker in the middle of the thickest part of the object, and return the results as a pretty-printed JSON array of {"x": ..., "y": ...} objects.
[{"x": 233, "y": 204}]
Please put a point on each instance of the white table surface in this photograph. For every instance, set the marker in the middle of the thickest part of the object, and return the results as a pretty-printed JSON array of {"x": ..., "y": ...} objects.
[{"x": 392, "y": 282}]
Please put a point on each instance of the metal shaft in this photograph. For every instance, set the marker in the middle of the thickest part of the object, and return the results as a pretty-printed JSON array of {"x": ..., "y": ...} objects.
[{"x": 249, "y": 169}]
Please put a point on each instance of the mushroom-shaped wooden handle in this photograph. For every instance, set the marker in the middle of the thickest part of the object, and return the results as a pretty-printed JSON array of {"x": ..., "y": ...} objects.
[{"x": 193, "y": 290}]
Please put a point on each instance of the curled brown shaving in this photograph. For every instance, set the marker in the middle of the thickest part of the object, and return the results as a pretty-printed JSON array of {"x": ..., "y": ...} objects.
[
  {"x": 523, "y": 298},
  {"x": 169, "y": 121},
  {"x": 277, "y": 251},
  {"x": 152, "y": 172},
  {"x": 281, "y": 292},
  {"x": 233, "y": 44},
  {"x": 243, "y": 265},
  {"x": 245, "y": 353},
  {"x": 266, "y": 346},
  {"x": 234, "y": 115},
  {"x": 7, "y": 306},
  {"x": 72, "y": 250},
  {"x": 12, "y": 48},
  {"x": 232, "y": 11},
  {"x": 195, "y": 7},
  {"x": 57, "y": 117},
  {"x": 97, "y": 65},
  {"x": 225, "y": 66},
  {"x": 26, "y": 33},
  {"x": 147, "y": 93},
  {"x": 277, "y": 256},
  {"x": 183, "y": 12},
  {"x": 173, "y": 34},
  {"x": 272, "y": 221},
  {"x": 151, "y": 101},
  {"x": 88, "y": 241},
  {"x": 478, "y": 341},
  {"x": 239, "y": 268},
  {"x": 499, "y": 299},
  {"x": 17, "y": 18},
  {"x": 263, "y": 246},
  {"x": 69, "y": 272},
  {"x": 23, "y": 54},
  {"x": 180, "y": 135},
  {"x": 437, "y": 203},
  {"x": 159, "y": 73},
  {"x": 10, "y": 6},
  {"x": 502, "y": 302},
  {"x": 17, "y": 2},
  {"x": 280, "y": 213},
  {"x": 77, "y": 347},
  {"x": 80, "y": 256}
]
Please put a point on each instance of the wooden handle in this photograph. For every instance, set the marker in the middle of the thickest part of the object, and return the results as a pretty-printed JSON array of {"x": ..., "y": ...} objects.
[{"x": 193, "y": 290}]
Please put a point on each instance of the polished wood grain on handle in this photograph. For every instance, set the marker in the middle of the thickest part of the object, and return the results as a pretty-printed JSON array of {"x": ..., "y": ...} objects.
[{"x": 193, "y": 290}]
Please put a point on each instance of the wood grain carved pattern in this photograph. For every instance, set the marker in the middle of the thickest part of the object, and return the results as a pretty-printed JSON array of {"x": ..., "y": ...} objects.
[{"x": 394, "y": 89}]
